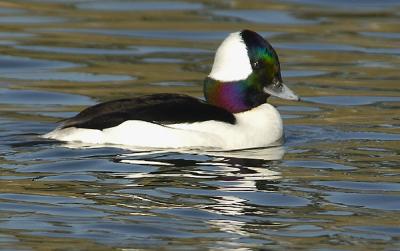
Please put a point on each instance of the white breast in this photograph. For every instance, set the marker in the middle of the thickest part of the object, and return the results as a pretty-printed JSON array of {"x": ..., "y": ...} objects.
[{"x": 259, "y": 127}]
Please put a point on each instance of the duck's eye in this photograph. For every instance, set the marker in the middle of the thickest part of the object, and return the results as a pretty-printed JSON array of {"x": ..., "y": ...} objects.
[{"x": 257, "y": 65}]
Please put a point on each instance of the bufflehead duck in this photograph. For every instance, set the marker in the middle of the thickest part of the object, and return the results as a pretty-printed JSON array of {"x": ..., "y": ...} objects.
[{"x": 235, "y": 115}]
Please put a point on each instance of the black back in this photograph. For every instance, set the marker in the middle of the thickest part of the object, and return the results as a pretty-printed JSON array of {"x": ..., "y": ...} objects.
[{"x": 161, "y": 109}]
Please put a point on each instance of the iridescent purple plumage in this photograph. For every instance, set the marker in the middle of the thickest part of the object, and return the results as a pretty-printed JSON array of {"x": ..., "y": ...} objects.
[{"x": 236, "y": 96}]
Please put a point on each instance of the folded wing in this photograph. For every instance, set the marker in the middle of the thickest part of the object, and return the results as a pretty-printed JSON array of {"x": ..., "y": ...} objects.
[{"x": 161, "y": 109}]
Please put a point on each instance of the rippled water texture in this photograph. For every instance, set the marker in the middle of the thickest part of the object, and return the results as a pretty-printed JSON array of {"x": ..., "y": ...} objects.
[{"x": 334, "y": 185}]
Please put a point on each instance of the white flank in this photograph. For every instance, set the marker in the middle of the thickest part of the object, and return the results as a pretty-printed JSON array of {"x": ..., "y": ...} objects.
[
  {"x": 231, "y": 60},
  {"x": 259, "y": 127}
]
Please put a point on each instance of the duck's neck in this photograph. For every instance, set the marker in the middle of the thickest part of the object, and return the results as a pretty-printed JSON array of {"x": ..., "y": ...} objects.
[{"x": 234, "y": 96}]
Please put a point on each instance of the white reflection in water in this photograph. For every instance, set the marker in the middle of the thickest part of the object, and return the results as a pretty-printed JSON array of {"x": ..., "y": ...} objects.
[
  {"x": 228, "y": 205},
  {"x": 145, "y": 162},
  {"x": 268, "y": 153},
  {"x": 230, "y": 226},
  {"x": 221, "y": 180},
  {"x": 247, "y": 181}
]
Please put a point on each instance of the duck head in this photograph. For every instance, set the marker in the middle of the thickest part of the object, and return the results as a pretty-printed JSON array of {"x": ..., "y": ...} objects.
[{"x": 246, "y": 71}]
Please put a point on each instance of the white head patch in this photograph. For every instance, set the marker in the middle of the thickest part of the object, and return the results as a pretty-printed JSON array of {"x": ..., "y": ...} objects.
[{"x": 231, "y": 61}]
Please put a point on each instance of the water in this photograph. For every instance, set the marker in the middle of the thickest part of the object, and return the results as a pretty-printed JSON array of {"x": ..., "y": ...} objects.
[{"x": 334, "y": 185}]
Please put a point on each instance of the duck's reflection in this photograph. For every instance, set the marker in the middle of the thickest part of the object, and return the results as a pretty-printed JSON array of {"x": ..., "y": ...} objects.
[
  {"x": 230, "y": 226},
  {"x": 267, "y": 153},
  {"x": 214, "y": 177},
  {"x": 227, "y": 205}
]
